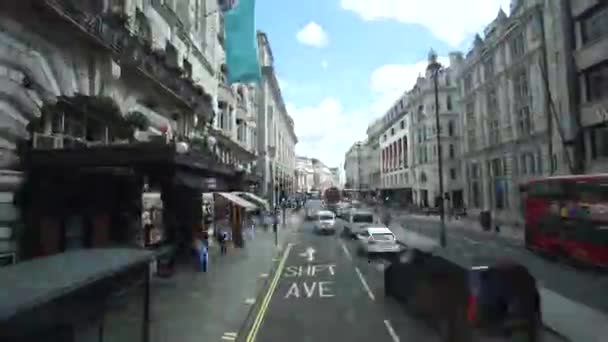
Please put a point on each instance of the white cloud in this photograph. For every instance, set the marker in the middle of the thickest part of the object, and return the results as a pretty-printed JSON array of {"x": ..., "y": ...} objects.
[
  {"x": 313, "y": 34},
  {"x": 326, "y": 131},
  {"x": 324, "y": 64},
  {"x": 449, "y": 20},
  {"x": 390, "y": 81}
]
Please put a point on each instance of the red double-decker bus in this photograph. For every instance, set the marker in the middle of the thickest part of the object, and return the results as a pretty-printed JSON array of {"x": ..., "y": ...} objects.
[{"x": 567, "y": 216}]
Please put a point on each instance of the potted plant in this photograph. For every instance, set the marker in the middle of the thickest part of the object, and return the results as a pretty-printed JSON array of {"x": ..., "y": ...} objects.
[{"x": 133, "y": 121}]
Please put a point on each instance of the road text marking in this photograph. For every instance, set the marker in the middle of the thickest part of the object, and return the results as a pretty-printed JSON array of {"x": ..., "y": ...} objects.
[
  {"x": 309, "y": 254},
  {"x": 365, "y": 286},
  {"x": 309, "y": 270},
  {"x": 311, "y": 288},
  {"x": 346, "y": 251},
  {"x": 229, "y": 336},
  {"x": 262, "y": 312},
  {"x": 391, "y": 331},
  {"x": 321, "y": 288}
]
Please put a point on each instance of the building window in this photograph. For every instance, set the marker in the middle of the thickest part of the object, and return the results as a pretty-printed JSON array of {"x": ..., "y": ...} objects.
[
  {"x": 449, "y": 102},
  {"x": 518, "y": 46},
  {"x": 448, "y": 81},
  {"x": 593, "y": 26},
  {"x": 597, "y": 82},
  {"x": 402, "y": 124},
  {"x": 599, "y": 142},
  {"x": 392, "y": 131},
  {"x": 493, "y": 131},
  {"x": 453, "y": 174},
  {"x": 468, "y": 83},
  {"x": 492, "y": 102},
  {"x": 522, "y": 102},
  {"x": 451, "y": 128},
  {"x": 452, "y": 151},
  {"x": 488, "y": 68}
]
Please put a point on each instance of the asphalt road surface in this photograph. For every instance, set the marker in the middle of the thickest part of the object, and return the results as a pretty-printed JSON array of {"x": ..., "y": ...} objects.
[
  {"x": 323, "y": 290},
  {"x": 585, "y": 286}
]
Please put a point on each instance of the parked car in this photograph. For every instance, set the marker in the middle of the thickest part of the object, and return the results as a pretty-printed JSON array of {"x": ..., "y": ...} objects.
[
  {"x": 377, "y": 239},
  {"x": 326, "y": 222},
  {"x": 356, "y": 221}
]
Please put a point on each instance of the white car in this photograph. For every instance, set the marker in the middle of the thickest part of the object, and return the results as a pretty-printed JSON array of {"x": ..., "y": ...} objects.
[
  {"x": 325, "y": 222},
  {"x": 377, "y": 239}
]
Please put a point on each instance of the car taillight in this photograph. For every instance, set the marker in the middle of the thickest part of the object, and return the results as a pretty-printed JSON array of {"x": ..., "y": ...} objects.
[
  {"x": 472, "y": 309},
  {"x": 371, "y": 240}
]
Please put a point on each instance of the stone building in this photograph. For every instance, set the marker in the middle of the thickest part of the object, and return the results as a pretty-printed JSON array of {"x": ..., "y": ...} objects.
[
  {"x": 353, "y": 166},
  {"x": 275, "y": 133},
  {"x": 118, "y": 96},
  {"x": 305, "y": 174},
  {"x": 515, "y": 109},
  {"x": 424, "y": 167},
  {"x": 395, "y": 154}
]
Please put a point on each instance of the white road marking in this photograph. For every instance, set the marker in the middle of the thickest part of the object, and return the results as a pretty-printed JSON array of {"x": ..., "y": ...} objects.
[
  {"x": 469, "y": 240},
  {"x": 365, "y": 286},
  {"x": 249, "y": 301},
  {"x": 345, "y": 249},
  {"x": 229, "y": 336},
  {"x": 264, "y": 275},
  {"x": 391, "y": 331},
  {"x": 309, "y": 254}
]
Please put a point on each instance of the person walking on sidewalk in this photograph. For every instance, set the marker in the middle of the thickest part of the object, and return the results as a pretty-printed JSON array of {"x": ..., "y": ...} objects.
[
  {"x": 386, "y": 218},
  {"x": 223, "y": 242}
]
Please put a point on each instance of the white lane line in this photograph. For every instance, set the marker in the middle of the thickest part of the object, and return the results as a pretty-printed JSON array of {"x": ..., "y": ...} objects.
[
  {"x": 391, "y": 331},
  {"x": 365, "y": 286},
  {"x": 475, "y": 242},
  {"x": 346, "y": 251}
]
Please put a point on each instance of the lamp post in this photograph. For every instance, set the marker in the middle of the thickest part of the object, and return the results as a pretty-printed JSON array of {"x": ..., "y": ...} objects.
[{"x": 435, "y": 69}]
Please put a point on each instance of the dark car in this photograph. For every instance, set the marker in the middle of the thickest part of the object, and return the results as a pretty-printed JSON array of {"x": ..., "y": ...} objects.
[{"x": 464, "y": 304}]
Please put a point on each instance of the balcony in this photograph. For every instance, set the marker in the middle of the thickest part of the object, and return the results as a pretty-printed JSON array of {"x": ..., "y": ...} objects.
[
  {"x": 132, "y": 51},
  {"x": 225, "y": 93},
  {"x": 241, "y": 111}
]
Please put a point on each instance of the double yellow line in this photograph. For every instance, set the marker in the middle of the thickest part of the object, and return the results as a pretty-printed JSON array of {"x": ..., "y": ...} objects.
[{"x": 273, "y": 284}]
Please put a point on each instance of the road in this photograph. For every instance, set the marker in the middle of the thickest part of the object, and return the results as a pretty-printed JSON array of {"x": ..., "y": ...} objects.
[
  {"x": 464, "y": 245},
  {"x": 322, "y": 290}
]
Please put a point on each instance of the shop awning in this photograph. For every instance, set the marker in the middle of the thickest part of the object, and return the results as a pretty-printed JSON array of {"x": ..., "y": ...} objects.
[
  {"x": 33, "y": 283},
  {"x": 238, "y": 200},
  {"x": 253, "y": 198}
]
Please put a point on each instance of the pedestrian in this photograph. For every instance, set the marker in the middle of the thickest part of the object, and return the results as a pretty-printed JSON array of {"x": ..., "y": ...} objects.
[{"x": 223, "y": 242}]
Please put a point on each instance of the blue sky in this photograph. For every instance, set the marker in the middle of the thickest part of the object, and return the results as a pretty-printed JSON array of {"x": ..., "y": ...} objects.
[{"x": 342, "y": 63}]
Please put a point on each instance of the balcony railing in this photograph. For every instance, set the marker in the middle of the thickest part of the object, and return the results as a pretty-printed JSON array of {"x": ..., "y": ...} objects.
[{"x": 134, "y": 51}]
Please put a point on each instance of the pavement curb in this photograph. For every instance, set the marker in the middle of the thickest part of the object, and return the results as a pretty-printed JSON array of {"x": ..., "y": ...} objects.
[
  {"x": 242, "y": 332},
  {"x": 553, "y": 331}
]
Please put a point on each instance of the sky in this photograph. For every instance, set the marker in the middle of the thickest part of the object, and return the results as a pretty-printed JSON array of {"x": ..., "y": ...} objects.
[{"x": 343, "y": 63}]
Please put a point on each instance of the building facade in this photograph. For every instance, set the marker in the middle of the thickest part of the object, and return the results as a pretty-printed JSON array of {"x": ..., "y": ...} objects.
[
  {"x": 305, "y": 174},
  {"x": 276, "y": 134},
  {"x": 372, "y": 165},
  {"x": 353, "y": 164},
  {"x": 514, "y": 129},
  {"x": 395, "y": 155},
  {"x": 425, "y": 151},
  {"x": 588, "y": 76}
]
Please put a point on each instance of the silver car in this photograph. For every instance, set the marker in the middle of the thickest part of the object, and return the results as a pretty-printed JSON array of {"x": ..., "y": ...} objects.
[
  {"x": 377, "y": 239},
  {"x": 325, "y": 222}
]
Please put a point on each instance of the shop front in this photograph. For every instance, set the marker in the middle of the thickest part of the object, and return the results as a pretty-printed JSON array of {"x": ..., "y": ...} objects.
[{"x": 97, "y": 197}]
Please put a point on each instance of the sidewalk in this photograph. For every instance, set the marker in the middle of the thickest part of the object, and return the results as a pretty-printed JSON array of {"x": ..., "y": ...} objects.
[
  {"x": 570, "y": 319},
  {"x": 514, "y": 235},
  {"x": 212, "y": 306},
  {"x": 196, "y": 306}
]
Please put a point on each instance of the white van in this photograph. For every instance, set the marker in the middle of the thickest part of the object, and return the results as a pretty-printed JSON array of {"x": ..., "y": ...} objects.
[{"x": 357, "y": 221}]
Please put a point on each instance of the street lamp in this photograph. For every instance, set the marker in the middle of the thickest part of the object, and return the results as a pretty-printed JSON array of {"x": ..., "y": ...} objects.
[{"x": 435, "y": 68}]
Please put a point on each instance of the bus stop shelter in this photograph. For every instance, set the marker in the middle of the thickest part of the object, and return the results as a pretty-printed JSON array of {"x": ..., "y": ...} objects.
[{"x": 64, "y": 297}]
